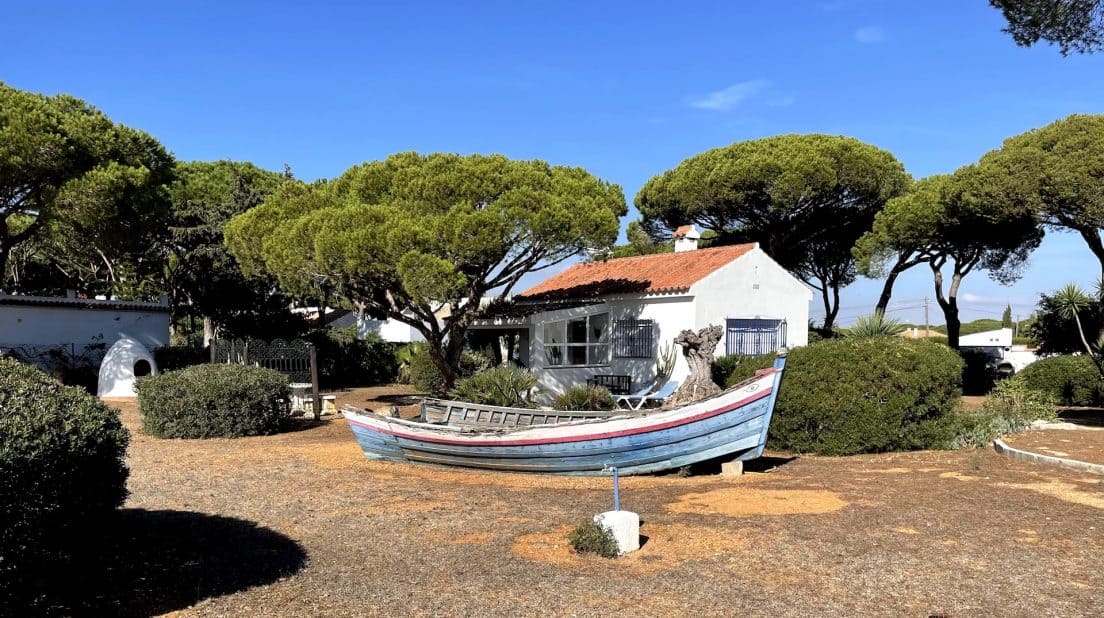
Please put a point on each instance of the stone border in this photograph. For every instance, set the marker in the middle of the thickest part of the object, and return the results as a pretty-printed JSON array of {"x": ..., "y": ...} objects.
[{"x": 1000, "y": 447}]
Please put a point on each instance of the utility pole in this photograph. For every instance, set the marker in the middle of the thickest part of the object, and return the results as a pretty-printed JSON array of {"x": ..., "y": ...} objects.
[{"x": 926, "y": 327}]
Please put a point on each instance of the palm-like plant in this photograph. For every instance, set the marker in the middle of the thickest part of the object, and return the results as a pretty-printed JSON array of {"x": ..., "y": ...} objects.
[
  {"x": 1070, "y": 301},
  {"x": 875, "y": 325}
]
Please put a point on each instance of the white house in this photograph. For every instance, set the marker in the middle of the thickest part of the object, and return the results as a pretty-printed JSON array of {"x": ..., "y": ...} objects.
[{"x": 612, "y": 318}]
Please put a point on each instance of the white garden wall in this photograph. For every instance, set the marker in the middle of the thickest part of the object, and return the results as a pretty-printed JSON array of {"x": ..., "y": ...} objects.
[{"x": 29, "y": 323}]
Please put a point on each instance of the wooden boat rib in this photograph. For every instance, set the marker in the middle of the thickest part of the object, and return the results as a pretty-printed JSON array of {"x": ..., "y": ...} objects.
[
  {"x": 465, "y": 414},
  {"x": 732, "y": 424}
]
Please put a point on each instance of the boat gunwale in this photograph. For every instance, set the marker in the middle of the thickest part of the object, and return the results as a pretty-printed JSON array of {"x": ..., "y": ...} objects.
[
  {"x": 502, "y": 437},
  {"x": 493, "y": 430}
]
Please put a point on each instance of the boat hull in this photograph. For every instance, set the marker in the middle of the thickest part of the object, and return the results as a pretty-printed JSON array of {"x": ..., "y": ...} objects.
[{"x": 732, "y": 425}]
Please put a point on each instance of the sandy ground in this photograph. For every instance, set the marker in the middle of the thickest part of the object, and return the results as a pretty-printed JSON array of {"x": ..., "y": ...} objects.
[{"x": 300, "y": 524}]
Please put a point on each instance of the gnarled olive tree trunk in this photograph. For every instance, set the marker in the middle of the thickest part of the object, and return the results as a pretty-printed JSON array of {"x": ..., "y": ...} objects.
[{"x": 697, "y": 349}]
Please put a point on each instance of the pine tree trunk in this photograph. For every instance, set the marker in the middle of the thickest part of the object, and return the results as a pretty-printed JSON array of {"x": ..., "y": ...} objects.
[
  {"x": 208, "y": 331},
  {"x": 697, "y": 349}
]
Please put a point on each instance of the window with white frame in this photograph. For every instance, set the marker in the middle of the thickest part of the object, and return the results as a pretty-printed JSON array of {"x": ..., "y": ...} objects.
[
  {"x": 754, "y": 337},
  {"x": 577, "y": 341}
]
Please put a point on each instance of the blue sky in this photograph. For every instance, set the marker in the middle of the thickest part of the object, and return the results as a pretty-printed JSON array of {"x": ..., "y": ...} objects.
[{"x": 625, "y": 89}]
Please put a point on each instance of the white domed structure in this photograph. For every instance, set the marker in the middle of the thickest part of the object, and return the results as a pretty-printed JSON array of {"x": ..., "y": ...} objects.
[{"x": 124, "y": 362}]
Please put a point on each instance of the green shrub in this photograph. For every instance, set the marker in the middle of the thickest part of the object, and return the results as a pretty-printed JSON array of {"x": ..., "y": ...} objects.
[
  {"x": 740, "y": 368},
  {"x": 585, "y": 397},
  {"x": 61, "y": 462},
  {"x": 173, "y": 357},
  {"x": 978, "y": 373},
  {"x": 404, "y": 354},
  {"x": 209, "y": 401},
  {"x": 1011, "y": 408},
  {"x": 853, "y": 395},
  {"x": 344, "y": 360},
  {"x": 1071, "y": 380},
  {"x": 505, "y": 385},
  {"x": 590, "y": 537},
  {"x": 425, "y": 376}
]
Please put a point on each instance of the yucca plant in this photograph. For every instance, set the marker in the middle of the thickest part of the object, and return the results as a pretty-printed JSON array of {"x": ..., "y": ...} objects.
[
  {"x": 505, "y": 385},
  {"x": 1070, "y": 302},
  {"x": 875, "y": 325},
  {"x": 585, "y": 397}
]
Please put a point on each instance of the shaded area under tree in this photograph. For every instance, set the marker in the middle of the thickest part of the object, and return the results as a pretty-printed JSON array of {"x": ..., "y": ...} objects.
[{"x": 149, "y": 562}]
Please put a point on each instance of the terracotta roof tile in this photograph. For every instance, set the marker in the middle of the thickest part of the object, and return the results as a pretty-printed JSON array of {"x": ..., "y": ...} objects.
[{"x": 663, "y": 272}]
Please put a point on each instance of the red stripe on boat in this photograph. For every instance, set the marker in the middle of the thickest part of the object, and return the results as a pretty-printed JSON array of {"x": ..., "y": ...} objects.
[{"x": 581, "y": 438}]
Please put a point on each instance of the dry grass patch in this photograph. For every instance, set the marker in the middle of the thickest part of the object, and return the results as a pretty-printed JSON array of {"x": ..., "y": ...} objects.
[
  {"x": 1067, "y": 492},
  {"x": 748, "y": 502},
  {"x": 474, "y": 538},
  {"x": 666, "y": 547}
]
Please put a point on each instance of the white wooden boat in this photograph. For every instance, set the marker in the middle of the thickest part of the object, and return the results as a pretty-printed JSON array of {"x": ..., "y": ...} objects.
[{"x": 732, "y": 425}]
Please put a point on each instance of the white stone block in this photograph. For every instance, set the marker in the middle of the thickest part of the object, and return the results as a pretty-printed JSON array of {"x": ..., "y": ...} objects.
[{"x": 625, "y": 527}]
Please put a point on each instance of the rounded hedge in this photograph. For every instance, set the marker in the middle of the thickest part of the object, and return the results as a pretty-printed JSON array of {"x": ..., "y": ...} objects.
[
  {"x": 214, "y": 401},
  {"x": 863, "y": 395},
  {"x": 61, "y": 460},
  {"x": 1071, "y": 380}
]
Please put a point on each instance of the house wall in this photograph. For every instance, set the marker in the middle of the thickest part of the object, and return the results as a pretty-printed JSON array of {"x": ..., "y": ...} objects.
[
  {"x": 754, "y": 286},
  {"x": 670, "y": 314}
]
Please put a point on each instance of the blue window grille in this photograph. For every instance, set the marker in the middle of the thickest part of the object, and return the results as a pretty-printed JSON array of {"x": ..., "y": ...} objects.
[{"x": 754, "y": 337}]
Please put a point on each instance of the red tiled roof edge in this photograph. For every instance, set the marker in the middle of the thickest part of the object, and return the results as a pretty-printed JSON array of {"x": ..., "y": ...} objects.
[{"x": 656, "y": 273}]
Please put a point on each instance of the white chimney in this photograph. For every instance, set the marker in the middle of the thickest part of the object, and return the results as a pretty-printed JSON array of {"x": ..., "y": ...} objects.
[{"x": 686, "y": 238}]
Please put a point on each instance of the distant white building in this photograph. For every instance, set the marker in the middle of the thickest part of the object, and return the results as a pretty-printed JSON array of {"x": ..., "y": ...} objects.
[
  {"x": 390, "y": 330},
  {"x": 1000, "y": 338},
  {"x": 997, "y": 344}
]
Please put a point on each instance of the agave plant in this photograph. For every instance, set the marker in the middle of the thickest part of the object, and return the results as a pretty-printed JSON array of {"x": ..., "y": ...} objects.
[{"x": 875, "y": 325}]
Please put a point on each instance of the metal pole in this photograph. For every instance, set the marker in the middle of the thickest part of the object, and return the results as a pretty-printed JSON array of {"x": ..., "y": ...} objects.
[
  {"x": 616, "y": 491},
  {"x": 316, "y": 400}
]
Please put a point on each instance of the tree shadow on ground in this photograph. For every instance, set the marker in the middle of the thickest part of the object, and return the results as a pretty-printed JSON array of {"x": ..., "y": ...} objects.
[
  {"x": 712, "y": 467},
  {"x": 153, "y": 562},
  {"x": 402, "y": 400},
  {"x": 305, "y": 423},
  {"x": 1082, "y": 416}
]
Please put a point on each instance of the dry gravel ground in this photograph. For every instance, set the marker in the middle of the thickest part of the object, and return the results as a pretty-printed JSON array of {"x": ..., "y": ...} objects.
[
  {"x": 1084, "y": 444},
  {"x": 300, "y": 524}
]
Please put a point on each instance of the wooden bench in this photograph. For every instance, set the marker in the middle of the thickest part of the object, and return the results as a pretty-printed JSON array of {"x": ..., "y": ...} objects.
[{"x": 615, "y": 384}]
